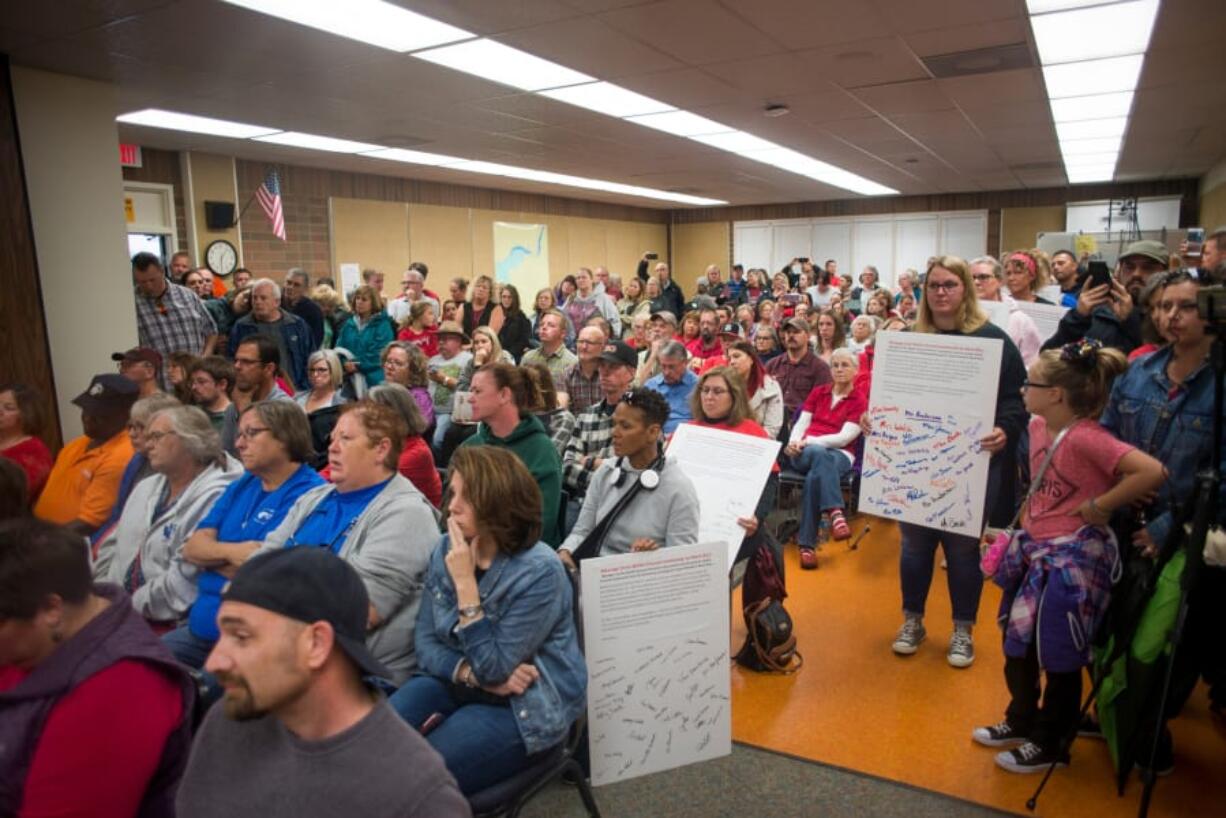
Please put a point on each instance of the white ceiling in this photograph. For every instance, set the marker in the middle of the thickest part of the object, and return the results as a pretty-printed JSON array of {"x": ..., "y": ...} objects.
[{"x": 849, "y": 70}]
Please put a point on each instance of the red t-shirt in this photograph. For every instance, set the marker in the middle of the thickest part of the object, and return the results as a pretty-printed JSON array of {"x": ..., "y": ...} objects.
[
  {"x": 101, "y": 743},
  {"x": 697, "y": 350},
  {"x": 35, "y": 460},
  {"x": 1083, "y": 467},
  {"x": 426, "y": 340},
  {"x": 828, "y": 419},
  {"x": 417, "y": 465}
]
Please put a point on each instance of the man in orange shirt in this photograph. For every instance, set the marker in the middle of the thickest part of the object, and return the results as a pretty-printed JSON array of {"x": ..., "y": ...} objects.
[{"x": 84, "y": 482}]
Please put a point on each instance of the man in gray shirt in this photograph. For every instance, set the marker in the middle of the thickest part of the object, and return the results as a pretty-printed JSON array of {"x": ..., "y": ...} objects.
[
  {"x": 299, "y": 734},
  {"x": 663, "y": 512}
]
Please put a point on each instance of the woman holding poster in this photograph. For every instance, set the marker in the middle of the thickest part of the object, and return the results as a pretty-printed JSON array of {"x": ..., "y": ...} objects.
[{"x": 949, "y": 307}]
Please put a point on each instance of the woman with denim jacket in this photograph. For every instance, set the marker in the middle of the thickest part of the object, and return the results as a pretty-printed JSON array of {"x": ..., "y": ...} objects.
[{"x": 501, "y": 677}]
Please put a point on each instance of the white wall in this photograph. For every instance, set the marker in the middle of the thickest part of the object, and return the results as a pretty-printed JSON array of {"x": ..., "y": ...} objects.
[
  {"x": 70, "y": 149},
  {"x": 891, "y": 243}
]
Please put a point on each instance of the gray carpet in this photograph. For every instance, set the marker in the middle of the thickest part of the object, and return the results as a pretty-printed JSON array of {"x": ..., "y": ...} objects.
[{"x": 752, "y": 783}]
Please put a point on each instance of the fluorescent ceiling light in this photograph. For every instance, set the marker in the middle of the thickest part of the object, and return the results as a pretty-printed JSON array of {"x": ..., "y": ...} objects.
[
  {"x": 1079, "y": 79},
  {"x": 736, "y": 142},
  {"x": 609, "y": 99},
  {"x": 1100, "y": 174},
  {"x": 795, "y": 162},
  {"x": 1090, "y": 160},
  {"x": 156, "y": 118},
  {"x": 318, "y": 143},
  {"x": 369, "y": 21},
  {"x": 501, "y": 63},
  {"x": 1097, "y": 106},
  {"x": 413, "y": 157},
  {"x": 1080, "y": 147},
  {"x": 533, "y": 175},
  {"x": 1091, "y": 129},
  {"x": 1092, "y": 33},
  {"x": 680, "y": 123}
]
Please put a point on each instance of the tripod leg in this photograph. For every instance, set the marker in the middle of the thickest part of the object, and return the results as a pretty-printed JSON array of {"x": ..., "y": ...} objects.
[{"x": 1066, "y": 742}]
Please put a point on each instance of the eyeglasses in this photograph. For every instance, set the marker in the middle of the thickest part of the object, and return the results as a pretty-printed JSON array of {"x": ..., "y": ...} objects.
[
  {"x": 154, "y": 437},
  {"x": 983, "y": 276},
  {"x": 948, "y": 286},
  {"x": 252, "y": 432},
  {"x": 1029, "y": 384},
  {"x": 395, "y": 364},
  {"x": 246, "y": 362},
  {"x": 585, "y": 343},
  {"x": 714, "y": 390}
]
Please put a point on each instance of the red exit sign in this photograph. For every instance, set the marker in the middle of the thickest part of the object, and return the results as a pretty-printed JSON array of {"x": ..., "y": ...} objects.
[{"x": 129, "y": 156}]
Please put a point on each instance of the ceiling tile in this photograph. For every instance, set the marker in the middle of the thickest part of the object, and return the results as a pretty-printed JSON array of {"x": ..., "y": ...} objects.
[
  {"x": 910, "y": 16},
  {"x": 917, "y": 96},
  {"x": 592, "y": 46},
  {"x": 873, "y": 61},
  {"x": 970, "y": 37},
  {"x": 694, "y": 31},
  {"x": 803, "y": 24},
  {"x": 770, "y": 76},
  {"x": 984, "y": 90}
]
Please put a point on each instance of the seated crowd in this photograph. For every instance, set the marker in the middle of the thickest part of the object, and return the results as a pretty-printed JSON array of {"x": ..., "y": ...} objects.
[{"x": 299, "y": 504}]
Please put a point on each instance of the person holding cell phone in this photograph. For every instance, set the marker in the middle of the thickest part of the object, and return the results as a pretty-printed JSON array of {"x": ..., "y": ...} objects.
[{"x": 1108, "y": 308}]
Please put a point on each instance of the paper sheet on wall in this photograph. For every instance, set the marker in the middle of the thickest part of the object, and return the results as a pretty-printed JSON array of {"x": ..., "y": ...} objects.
[
  {"x": 351, "y": 277},
  {"x": 729, "y": 470},
  {"x": 1045, "y": 316},
  {"x": 933, "y": 398},
  {"x": 655, "y": 626},
  {"x": 521, "y": 255}
]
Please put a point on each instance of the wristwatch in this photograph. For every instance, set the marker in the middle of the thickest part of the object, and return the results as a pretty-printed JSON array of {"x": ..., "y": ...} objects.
[{"x": 470, "y": 611}]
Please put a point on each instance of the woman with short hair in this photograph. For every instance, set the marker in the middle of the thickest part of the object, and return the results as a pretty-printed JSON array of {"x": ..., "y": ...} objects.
[
  {"x": 366, "y": 333},
  {"x": 496, "y": 639},
  {"x": 321, "y": 400},
  {"x": 96, "y": 712},
  {"x": 1024, "y": 277},
  {"x": 144, "y": 553},
  {"x": 405, "y": 364},
  {"x": 21, "y": 423}
]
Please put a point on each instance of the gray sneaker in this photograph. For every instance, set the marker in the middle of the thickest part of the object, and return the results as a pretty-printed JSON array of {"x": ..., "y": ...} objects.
[
  {"x": 961, "y": 647},
  {"x": 909, "y": 636}
]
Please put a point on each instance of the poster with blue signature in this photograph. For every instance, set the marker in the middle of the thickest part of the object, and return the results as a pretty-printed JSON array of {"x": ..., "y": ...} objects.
[{"x": 933, "y": 398}]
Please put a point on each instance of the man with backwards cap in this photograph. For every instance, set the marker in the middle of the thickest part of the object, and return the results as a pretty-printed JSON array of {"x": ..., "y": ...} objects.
[
  {"x": 299, "y": 733},
  {"x": 84, "y": 482}
]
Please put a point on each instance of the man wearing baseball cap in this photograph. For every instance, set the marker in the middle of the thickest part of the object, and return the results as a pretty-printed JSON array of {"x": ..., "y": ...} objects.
[
  {"x": 299, "y": 732},
  {"x": 798, "y": 370},
  {"x": 141, "y": 365},
  {"x": 84, "y": 482},
  {"x": 1109, "y": 312}
]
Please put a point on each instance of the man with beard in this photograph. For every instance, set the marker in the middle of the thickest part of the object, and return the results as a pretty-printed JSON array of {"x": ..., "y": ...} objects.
[
  {"x": 1110, "y": 312},
  {"x": 255, "y": 379},
  {"x": 302, "y": 734},
  {"x": 707, "y": 344}
]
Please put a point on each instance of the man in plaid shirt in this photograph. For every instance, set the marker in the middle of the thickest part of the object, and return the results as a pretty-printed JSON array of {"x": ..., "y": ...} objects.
[
  {"x": 592, "y": 440},
  {"x": 581, "y": 380},
  {"x": 169, "y": 317}
]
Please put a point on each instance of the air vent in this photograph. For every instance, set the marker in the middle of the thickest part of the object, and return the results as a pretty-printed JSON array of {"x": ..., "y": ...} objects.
[{"x": 980, "y": 61}]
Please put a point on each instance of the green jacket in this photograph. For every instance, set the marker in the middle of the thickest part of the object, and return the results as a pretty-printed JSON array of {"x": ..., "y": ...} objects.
[{"x": 532, "y": 445}]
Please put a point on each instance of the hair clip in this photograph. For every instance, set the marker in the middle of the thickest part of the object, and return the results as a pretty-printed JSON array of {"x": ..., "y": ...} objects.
[{"x": 1083, "y": 352}]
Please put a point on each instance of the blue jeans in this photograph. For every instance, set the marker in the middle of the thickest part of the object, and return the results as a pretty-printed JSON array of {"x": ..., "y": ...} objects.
[
  {"x": 441, "y": 424},
  {"x": 479, "y": 743},
  {"x": 823, "y": 470},
  {"x": 919, "y": 546},
  {"x": 193, "y": 651}
]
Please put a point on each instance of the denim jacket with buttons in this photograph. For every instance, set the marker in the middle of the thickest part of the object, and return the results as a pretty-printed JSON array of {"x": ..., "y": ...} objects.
[
  {"x": 1177, "y": 432},
  {"x": 527, "y": 604}
]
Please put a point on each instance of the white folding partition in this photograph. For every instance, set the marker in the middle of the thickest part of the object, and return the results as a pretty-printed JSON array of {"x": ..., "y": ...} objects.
[{"x": 891, "y": 243}]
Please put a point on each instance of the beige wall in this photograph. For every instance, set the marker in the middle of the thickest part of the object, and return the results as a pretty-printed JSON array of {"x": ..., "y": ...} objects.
[
  {"x": 69, "y": 149},
  {"x": 697, "y": 245},
  {"x": 209, "y": 178},
  {"x": 1021, "y": 225},
  {"x": 459, "y": 241}
]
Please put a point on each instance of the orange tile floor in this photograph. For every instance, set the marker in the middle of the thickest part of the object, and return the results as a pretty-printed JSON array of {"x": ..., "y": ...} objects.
[{"x": 856, "y": 705}]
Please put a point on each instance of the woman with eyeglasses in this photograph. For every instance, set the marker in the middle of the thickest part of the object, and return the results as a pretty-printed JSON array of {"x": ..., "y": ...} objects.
[
  {"x": 950, "y": 307},
  {"x": 321, "y": 400},
  {"x": 404, "y": 363},
  {"x": 274, "y": 445},
  {"x": 664, "y": 510}
]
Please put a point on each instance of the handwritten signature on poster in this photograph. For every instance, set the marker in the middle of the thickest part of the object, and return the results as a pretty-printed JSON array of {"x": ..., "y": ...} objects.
[{"x": 922, "y": 458}]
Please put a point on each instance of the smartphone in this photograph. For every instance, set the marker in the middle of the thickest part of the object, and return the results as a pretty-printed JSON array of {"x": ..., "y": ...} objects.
[
  {"x": 1100, "y": 274},
  {"x": 652, "y": 256},
  {"x": 1196, "y": 241},
  {"x": 803, "y": 260}
]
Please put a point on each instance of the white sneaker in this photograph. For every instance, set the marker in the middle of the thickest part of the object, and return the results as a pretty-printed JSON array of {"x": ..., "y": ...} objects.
[{"x": 961, "y": 647}]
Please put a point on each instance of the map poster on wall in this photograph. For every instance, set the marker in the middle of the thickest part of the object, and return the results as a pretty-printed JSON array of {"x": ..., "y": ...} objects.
[
  {"x": 933, "y": 398},
  {"x": 521, "y": 257}
]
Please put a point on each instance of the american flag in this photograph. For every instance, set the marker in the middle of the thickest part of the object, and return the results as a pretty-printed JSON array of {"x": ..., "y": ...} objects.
[{"x": 269, "y": 196}]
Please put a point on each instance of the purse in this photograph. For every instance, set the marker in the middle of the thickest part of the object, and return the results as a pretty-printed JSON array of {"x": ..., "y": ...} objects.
[
  {"x": 770, "y": 641},
  {"x": 994, "y": 552}
]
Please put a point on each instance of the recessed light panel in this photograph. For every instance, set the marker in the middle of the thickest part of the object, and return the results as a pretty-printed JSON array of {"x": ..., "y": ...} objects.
[
  {"x": 156, "y": 118},
  {"x": 369, "y": 21},
  {"x": 500, "y": 63}
]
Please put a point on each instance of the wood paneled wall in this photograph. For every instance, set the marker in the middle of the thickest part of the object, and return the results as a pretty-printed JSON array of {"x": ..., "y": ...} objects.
[
  {"x": 162, "y": 167},
  {"x": 25, "y": 356}
]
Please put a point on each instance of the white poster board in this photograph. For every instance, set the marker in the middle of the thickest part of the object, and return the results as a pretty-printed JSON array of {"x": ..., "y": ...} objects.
[
  {"x": 1045, "y": 316},
  {"x": 729, "y": 470},
  {"x": 933, "y": 398},
  {"x": 351, "y": 277},
  {"x": 521, "y": 255},
  {"x": 997, "y": 312},
  {"x": 655, "y": 626}
]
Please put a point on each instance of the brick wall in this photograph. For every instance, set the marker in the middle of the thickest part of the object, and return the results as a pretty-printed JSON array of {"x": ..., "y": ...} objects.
[{"x": 307, "y": 241}]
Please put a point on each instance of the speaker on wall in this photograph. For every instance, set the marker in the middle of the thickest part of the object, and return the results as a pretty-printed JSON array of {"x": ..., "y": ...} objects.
[{"x": 219, "y": 215}]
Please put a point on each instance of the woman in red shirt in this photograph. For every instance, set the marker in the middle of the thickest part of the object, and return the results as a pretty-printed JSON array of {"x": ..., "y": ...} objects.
[
  {"x": 822, "y": 448},
  {"x": 20, "y": 424},
  {"x": 721, "y": 401}
]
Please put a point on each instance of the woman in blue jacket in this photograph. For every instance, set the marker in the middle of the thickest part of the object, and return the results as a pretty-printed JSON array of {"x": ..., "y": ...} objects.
[
  {"x": 366, "y": 333},
  {"x": 496, "y": 643}
]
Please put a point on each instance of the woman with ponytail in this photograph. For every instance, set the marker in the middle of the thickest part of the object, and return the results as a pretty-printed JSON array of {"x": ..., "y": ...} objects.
[{"x": 1058, "y": 569}]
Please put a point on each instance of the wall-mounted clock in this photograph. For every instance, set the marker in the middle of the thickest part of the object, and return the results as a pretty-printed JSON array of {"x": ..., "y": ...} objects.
[{"x": 221, "y": 257}]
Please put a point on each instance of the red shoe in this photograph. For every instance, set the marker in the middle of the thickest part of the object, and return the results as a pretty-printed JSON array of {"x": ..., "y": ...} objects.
[
  {"x": 808, "y": 559},
  {"x": 839, "y": 527}
]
